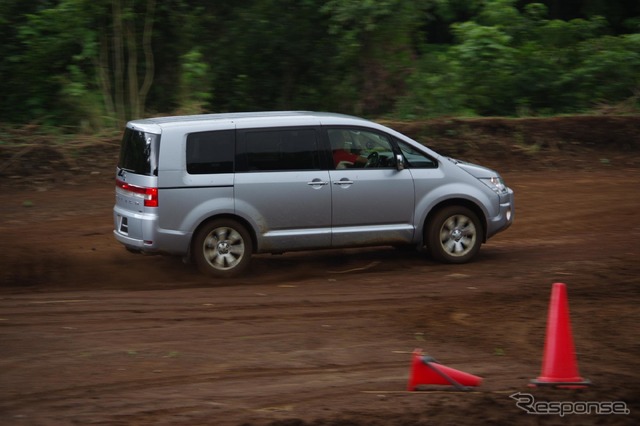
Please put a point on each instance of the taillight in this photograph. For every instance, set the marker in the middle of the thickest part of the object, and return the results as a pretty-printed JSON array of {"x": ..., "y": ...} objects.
[{"x": 149, "y": 195}]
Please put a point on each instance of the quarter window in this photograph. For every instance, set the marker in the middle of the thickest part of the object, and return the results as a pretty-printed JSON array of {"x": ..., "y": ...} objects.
[
  {"x": 416, "y": 159},
  {"x": 210, "y": 152}
]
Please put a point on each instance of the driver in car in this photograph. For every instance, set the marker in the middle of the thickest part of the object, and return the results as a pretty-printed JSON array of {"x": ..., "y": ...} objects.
[{"x": 344, "y": 159}]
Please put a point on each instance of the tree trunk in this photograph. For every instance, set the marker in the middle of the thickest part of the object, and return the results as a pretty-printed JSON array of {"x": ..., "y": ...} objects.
[
  {"x": 104, "y": 79},
  {"x": 132, "y": 69},
  {"x": 148, "y": 53},
  {"x": 118, "y": 60}
]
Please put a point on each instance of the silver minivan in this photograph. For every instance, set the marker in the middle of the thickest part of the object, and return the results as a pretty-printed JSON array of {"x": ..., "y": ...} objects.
[{"x": 217, "y": 188}]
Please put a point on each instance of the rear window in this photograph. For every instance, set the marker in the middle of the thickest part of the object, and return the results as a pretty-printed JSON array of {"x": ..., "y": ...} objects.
[
  {"x": 211, "y": 152},
  {"x": 139, "y": 152}
]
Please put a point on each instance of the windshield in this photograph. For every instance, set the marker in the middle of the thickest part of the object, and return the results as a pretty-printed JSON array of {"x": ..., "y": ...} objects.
[{"x": 139, "y": 152}]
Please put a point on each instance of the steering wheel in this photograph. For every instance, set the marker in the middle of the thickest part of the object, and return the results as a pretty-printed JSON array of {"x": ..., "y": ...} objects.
[{"x": 373, "y": 160}]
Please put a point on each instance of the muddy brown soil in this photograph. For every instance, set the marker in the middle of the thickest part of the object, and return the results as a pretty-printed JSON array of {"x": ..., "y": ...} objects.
[{"x": 92, "y": 334}]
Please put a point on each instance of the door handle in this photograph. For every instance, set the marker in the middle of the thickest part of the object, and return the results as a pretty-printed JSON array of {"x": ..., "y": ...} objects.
[
  {"x": 343, "y": 181},
  {"x": 318, "y": 182}
]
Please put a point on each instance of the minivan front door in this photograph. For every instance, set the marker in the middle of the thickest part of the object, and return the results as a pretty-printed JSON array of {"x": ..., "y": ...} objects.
[{"x": 372, "y": 201}]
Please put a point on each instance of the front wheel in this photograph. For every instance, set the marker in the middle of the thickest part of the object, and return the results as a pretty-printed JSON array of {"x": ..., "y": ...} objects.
[
  {"x": 454, "y": 235},
  {"x": 222, "y": 248}
]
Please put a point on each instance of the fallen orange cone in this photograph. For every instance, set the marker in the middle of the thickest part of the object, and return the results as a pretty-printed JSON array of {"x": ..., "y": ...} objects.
[
  {"x": 559, "y": 364},
  {"x": 427, "y": 371}
]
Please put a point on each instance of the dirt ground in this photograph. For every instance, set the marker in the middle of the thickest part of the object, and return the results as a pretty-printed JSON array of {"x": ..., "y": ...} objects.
[{"x": 92, "y": 334}]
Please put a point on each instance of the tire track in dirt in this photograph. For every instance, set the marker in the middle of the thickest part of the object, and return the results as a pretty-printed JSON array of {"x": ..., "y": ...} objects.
[{"x": 219, "y": 376}]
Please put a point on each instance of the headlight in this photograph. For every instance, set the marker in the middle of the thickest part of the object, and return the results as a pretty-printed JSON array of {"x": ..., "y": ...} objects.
[{"x": 495, "y": 183}]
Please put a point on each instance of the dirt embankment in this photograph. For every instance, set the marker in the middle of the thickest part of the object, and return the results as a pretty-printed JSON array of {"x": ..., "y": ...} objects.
[
  {"x": 533, "y": 143},
  {"x": 504, "y": 143}
]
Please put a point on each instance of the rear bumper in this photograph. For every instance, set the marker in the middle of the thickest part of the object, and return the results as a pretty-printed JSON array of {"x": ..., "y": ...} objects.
[
  {"x": 137, "y": 231},
  {"x": 141, "y": 232},
  {"x": 130, "y": 243}
]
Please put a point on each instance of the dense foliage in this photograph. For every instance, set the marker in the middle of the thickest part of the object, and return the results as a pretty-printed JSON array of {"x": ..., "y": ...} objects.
[{"x": 96, "y": 63}]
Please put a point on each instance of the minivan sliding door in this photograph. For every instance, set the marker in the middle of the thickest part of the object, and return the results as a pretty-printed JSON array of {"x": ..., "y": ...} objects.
[{"x": 282, "y": 185}]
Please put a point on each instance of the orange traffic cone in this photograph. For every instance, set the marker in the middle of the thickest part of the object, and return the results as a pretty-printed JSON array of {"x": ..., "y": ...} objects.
[
  {"x": 427, "y": 371},
  {"x": 559, "y": 365}
]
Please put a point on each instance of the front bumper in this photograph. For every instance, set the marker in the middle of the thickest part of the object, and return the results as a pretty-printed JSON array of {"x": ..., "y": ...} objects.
[{"x": 504, "y": 218}]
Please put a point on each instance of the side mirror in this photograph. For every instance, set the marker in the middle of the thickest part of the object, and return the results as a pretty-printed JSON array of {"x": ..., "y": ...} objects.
[{"x": 399, "y": 162}]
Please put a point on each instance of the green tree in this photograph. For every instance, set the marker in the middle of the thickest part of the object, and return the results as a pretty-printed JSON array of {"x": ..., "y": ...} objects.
[
  {"x": 95, "y": 63},
  {"x": 510, "y": 61},
  {"x": 84, "y": 61},
  {"x": 375, "y": 43},
  {"x": 194, "y": 91},
  {"x": 434, "y": 88},
  {"x": 53, "y": 49},
  {"x": 609, "y": 69}
]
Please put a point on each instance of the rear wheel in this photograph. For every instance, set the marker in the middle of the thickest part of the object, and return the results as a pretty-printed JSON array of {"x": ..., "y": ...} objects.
[
  {"x": 222, "y": 248},
  {"x": 454, "y": 235}
]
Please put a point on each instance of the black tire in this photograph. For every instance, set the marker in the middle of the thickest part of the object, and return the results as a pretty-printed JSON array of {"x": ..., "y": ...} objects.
[
  {"x": 454, "y": 235},
  {"x": 222, "y": 248}
]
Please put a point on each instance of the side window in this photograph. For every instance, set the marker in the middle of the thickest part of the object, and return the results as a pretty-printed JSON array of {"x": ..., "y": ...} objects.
[
  {"x": 286, "y": 149},
  {"x": 210, "y": 152},
  {"x": 353, "y": 148},
  {"x": 416, "y": 159}
]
